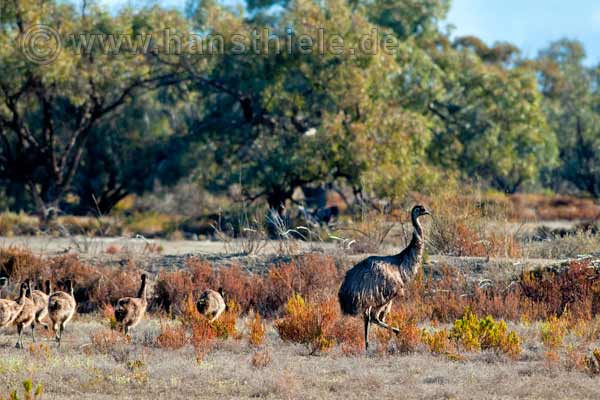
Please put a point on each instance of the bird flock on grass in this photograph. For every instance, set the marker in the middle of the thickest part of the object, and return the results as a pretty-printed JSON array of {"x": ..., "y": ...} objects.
[{"x": 367, "y": 291}]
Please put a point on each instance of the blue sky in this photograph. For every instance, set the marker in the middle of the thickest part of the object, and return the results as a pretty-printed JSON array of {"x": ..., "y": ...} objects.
[{"x": 530, "y": 24}]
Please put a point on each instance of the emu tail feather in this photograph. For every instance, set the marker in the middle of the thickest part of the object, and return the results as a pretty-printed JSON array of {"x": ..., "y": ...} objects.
[{"x": 347, "y": 301}]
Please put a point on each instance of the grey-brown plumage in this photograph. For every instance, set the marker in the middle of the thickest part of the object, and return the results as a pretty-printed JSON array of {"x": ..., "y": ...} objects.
[
  {"x": 61, "y": 308},
  {"x": 40, "y": 299},
  {"x": 371, "y": 285},
  {"x": 130, "y": 310},
  {"x": 10, "y": 309},
  {"x": 211, "y": 304},
  {"x": 26, "y": 317}
]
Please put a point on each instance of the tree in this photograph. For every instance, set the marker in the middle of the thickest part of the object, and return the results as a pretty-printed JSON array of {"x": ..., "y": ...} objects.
[
  {"x": 129, "y": 154},
  {"x": 48, "y": 111},
  {"x": 273, "y": 121},
  {"x": 492, "y": 126},
  {"x": 571, "y": 103}
]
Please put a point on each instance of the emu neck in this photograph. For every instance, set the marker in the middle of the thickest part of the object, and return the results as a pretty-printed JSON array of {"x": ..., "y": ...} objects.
[
  {"x": 22, "y": 293},
  {"x": 142, "y": 291},
  {"x": 414, "y": 251},
  {"x": 417, "y": 226}
]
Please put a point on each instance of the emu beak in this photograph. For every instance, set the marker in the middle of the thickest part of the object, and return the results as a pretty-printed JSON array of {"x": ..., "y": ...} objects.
[{"x": 426, "y": 212}]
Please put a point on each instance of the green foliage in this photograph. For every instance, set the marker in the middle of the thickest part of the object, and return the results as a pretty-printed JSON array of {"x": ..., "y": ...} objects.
[
  {"x": 476, "y": 334},
  {"x": 437, "y": 341},
  {"x": 492, "y": 125},
  {"x": 29, "y": 391},
  {"x": 49, "y": 111},
  {"x": 267, "y": 122},
  {"x": 571, "y": 93},
  {"x": 553, "y": 332}
]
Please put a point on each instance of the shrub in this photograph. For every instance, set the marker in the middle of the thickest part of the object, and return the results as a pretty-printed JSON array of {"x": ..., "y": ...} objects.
[
  {"x": 575, "y": 359},
  {"x": 203, "y": 337},
  {"x": 404, "y": 342},
  {"x": 312, "y": 276},
  {"x": 29, "y": 393},
  {"x": 171, "y": 291},
  {"x": 12, "y": 224},
  {"x": 19, "y": 264},
  {"x": 225, "y": 326},
  {"x": 437, "y": 342},
  {"x": 553, "y": 332},
  {"x": 348, "y": 332},
  {"x": 551, "y": 358},
  {"x": 475, "y": 334},
  {"x": 171, "y": 337},
  {"x": 461, "y": 227},
  {"x": 370, "y": 232},
  {"x": 256, "y": 330},
  {"x": 94, "y": 284},
  {"x": 593, "y": 362},
  {"x": 203, "y": 333},
  {"x": 261, "y": 358},
  {"x": 105, "y": 340},
  {"x": 572, "y": 287},
  {"x": 309, "y": 324},
  {"x": 108, "y": 313}
]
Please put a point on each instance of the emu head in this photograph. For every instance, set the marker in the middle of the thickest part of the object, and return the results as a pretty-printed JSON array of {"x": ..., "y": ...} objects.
[{"x": 419, "y": 211}]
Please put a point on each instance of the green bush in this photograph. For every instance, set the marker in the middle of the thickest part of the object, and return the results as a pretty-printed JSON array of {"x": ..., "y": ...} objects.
[{"x": 476, "y": 334}]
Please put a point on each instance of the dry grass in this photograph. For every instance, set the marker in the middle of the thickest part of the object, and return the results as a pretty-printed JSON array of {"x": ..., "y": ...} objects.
[
  {"x": 461, "y": 227},
  {"x": 550, "y": 208},
  {"x": 261, "y": 358},
  {"x": 96, "y": 368}
]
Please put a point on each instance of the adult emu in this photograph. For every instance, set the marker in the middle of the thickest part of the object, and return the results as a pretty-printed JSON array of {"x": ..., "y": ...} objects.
[{"x": 371, "y": 285}]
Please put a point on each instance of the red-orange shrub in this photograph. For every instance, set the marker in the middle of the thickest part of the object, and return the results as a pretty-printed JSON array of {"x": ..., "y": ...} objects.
[
  {"x": 172, "y": 337},
  {"x": 256, "y": 330},
  {"x": 348, "y": 332},
  {"x": 309, "y": 324},
  {"x": 171, "y": 291},
  {"x": 203, "y": 337},
  {"x": 19, "y": 264},
  {"x": 225, "y": 325}
]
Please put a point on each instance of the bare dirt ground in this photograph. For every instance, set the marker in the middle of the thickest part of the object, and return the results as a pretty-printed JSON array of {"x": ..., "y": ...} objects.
[{"x": 173, "y": 252}]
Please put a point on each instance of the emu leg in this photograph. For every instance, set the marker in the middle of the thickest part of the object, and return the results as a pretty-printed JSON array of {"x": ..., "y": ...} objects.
[
  {"x": 386, "y": 326},
  {"x": 384, "y": 311},
  {"x": 33, "y": 332},
  {"x": 367, "y": 322},
  {"x": 39, "y": 321},
  {"x": 59, "y": 335},
  {"x": 19, "y": 344}
]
